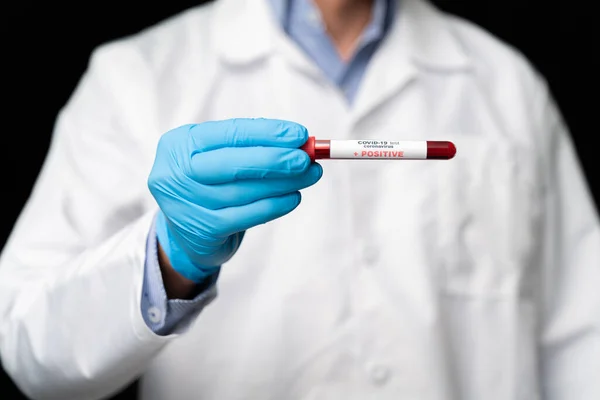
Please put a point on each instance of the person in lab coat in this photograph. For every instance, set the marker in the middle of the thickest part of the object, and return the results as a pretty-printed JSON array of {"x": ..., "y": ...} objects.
[{"x": 174, "y": 171}]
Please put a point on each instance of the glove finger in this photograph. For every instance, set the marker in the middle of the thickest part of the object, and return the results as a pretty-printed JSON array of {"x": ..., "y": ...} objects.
[
  {"x": 233, "y": 194},
  {"x": 227, "y": 221},
  {"x": 247, "y": 132},
  {"x": 235, "y": 163}
]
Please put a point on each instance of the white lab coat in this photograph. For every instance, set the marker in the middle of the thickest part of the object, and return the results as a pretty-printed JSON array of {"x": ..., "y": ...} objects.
[{"x": 471, "y": 279}]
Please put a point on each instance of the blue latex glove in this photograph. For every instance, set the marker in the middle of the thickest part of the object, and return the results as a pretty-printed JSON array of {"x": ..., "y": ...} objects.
[{"x": 212, "y": 181}]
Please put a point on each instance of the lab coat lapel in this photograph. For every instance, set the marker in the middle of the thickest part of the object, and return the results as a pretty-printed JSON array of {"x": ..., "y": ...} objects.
[
  {"x": 418, "y": 40},
  {"x": 247, "y": 31},
  {"x": 243, "y": 31}
]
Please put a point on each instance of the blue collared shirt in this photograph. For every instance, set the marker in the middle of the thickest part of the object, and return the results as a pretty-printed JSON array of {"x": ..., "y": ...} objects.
[{"x": 301, "y": 21}]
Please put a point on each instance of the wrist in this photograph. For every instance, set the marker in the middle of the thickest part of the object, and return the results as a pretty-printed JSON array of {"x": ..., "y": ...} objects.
[
  {"x": 202, "y": 260},
  {"x": 176, "y": 285},
  {"x": 175, "y": 259}
]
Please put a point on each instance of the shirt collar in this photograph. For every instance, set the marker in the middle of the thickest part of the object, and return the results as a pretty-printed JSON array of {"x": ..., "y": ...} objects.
[{"x": 383, "y": 11}]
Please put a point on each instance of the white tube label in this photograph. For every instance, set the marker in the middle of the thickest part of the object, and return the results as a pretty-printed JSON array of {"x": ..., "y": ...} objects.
[{"x": 378, "y": 149}]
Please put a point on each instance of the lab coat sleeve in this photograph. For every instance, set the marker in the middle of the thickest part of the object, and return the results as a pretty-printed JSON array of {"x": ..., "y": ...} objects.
[
  {"x": 71, "y": 272},
  {"x": 570, "y": 293}
]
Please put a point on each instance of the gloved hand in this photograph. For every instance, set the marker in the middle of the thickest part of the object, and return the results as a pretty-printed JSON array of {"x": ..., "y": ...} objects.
[{"x": 212, "y": 181}]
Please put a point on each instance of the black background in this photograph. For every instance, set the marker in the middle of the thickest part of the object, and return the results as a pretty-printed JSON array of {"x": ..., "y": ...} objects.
[{"x": 45, "y": 49}]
